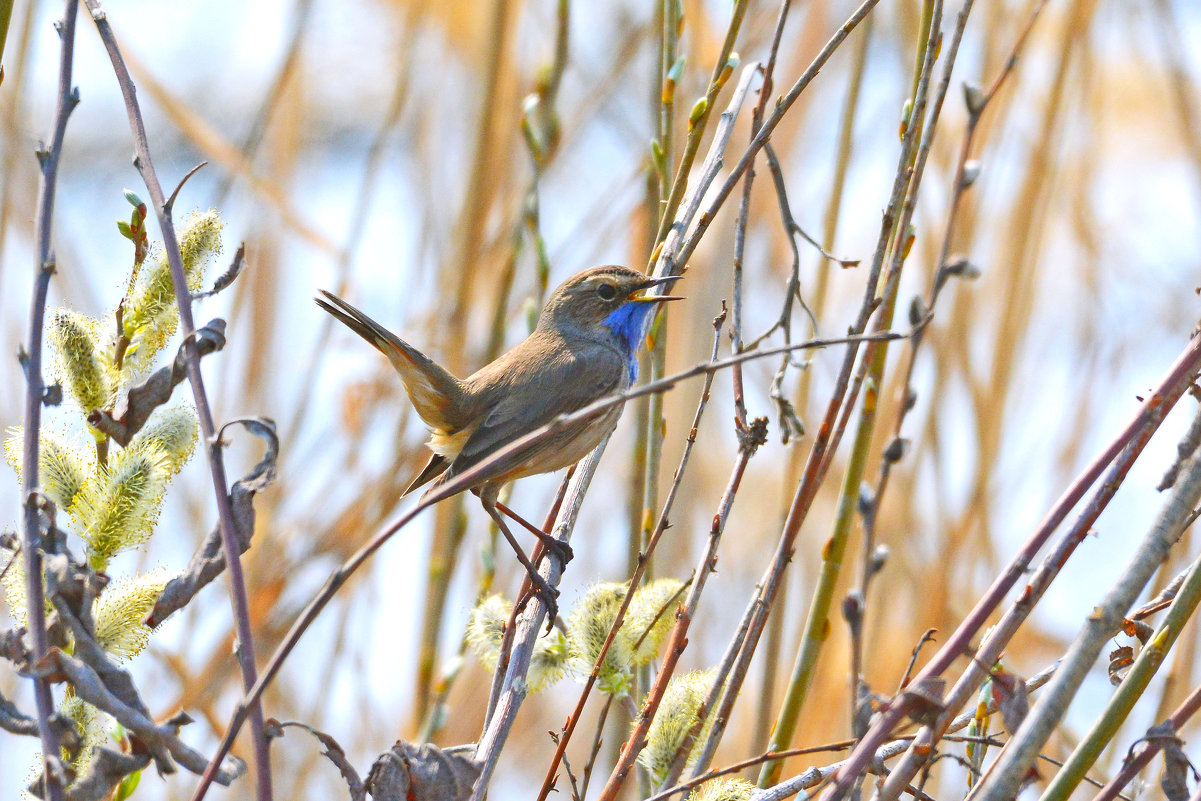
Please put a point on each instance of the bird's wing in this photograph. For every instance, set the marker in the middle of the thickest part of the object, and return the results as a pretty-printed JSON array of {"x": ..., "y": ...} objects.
[
  {"x": 436, "y": 394},
  {"x": 539, "y": 390}
]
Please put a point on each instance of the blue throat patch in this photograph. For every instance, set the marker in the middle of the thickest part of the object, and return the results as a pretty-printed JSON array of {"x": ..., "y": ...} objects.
[{"x": 626, "y": 322}]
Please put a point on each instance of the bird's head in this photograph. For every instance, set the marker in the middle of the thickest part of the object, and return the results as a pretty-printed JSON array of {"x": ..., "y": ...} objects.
[{"x": 610, "y": 296}]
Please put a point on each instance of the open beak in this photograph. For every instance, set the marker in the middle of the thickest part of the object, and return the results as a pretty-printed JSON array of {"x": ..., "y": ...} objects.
[{"x": 653, "y": 282}]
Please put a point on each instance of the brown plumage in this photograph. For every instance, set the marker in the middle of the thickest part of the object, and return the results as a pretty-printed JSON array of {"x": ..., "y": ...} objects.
[{"x": 583, "y": 348}]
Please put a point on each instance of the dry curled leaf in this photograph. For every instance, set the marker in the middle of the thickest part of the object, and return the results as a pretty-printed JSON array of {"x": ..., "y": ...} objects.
[
  {"x": 106, "y": 769},
  {"x": 1176, "y": 763},
  {"x": 1138, "y": 629},
  {"x": 208, "y": 562},
  {"x": 333, "y": 751},
  {"x": 1120, "y": 660},
  {"x": 926, "y": 699},
  {"x": 1009, "y": 691},
  {"x": 423, "y": 773}
]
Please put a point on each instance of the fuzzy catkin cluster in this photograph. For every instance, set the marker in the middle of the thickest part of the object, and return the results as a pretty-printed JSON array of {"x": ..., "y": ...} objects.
[
  {"x": 642, "y": 631},
  {"x": 113, "y": 506},
  {"x": 113, "y": 498},
  {"x": 112, "y": 495},
  {"x": 724, "y": 788},
  {"x": 120, "y": 610},
  {"x": 85, "y": 374},
  {"x": 646, "y": 624},
  {"x": 676, "y": 716},
  {"x": 486, "y": 630},
  {"x": 151, "y": 315}
]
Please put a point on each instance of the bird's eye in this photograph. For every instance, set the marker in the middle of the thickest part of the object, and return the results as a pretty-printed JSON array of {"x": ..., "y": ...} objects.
[{"x": 606, "y": 291}]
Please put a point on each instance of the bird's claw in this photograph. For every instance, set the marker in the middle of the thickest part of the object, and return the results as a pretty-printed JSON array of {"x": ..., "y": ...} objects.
[
  {"x": 549, "y": 596},
  {"x": 560, "y": 549}
]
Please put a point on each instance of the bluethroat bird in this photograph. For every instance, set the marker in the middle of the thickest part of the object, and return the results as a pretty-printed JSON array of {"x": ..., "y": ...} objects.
[{"x": 584, "y": 347}]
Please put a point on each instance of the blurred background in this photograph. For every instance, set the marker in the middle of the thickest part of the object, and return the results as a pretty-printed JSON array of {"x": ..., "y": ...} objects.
[{"x": 375, "y": 149}]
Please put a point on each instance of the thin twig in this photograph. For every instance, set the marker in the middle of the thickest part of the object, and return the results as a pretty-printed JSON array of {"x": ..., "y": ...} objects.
[
  {"x": 751, "y": 440},
  {"x": 31, "y": 537},
  {"x": 718, "y": 197},
  {"x": 678, "y": 639},
  {"x": 597, "y": 741},
  {"x": 229, "y": 535},
  {"x": 677, "y": 197},
  {"x": 644, "y": 558},
  {"x": 744, "y": 206},
  {"x": 170, "y": 204}
]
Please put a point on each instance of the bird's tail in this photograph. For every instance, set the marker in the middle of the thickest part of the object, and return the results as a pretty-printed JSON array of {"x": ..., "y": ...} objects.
[
  {"x": 436, "y": 394},
  {"x": 433, "y": 469}
]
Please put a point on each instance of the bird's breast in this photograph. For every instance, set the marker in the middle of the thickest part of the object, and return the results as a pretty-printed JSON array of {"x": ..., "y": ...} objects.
[{"x": 626, "y": 323}]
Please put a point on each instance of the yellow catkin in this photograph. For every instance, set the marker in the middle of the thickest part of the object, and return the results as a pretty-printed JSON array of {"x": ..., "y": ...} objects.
[
  {"x": 151, "y": 315},
  {"x": 173, "y": 431},
  {"x": 674, "y": 719},
  {"x": 588, "y": 626},
  {"x": 486, "y": 629},
  {"x": 14, "y": 585},
  {"x": 63, "y": 469},
  {"x": 653, "y": 613},
  {"x": 82, "y": 370},
  {"x": 724, "y": 788},
  {"x": 120, "y": 610},
  {"x": 117, "y": 507},
  {"x": 549, "y": 661},
  {"x": 92, "y": 726}
]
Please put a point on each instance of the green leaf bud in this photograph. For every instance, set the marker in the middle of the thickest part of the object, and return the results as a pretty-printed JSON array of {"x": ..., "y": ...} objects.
[
  {"x": 698, "y": 111},
  {"x": 671, "y": 80},
  {"x": 728, "y": 69}
]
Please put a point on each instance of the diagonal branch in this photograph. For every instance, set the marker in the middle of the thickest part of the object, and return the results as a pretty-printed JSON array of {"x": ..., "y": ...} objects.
[{"x": 1009, "y": 771}]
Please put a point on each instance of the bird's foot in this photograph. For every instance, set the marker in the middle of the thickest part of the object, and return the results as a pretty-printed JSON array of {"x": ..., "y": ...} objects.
[
  {"x": 559, "y": 548},
  {"x": 549, "y": 596}
]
